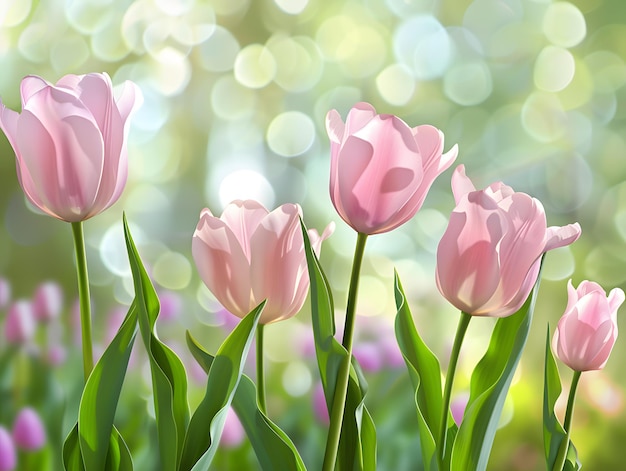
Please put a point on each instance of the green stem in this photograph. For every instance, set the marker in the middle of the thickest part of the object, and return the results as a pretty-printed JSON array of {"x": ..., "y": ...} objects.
[
  {"x": 343, "y": 375},
  {"x": 83, "y": 296},
  {"x": 260, "y": 372},
  {"x": 454, "y": 358},
  {"x": 559, "y": 463},
  {"x": 569, "y": 411}
]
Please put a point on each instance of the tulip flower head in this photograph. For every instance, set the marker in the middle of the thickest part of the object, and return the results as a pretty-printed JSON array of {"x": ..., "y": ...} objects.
[
  {"x": 587, "y": 331},
  {"x": 489, "y": 256},
  {"x": 70, "y": 143},
  {"x": 250, "y": 254},
  {"x": 381, "y": 169}
]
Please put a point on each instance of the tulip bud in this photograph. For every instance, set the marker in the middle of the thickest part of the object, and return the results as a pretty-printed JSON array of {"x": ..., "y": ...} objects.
[
  {"x": 19, "y": 326},
  {"x": 29, "y": 432},
  {"x": 8, "y": 454},
  {"x": 70, "y": 143},
  {"x": 48, "y": 301},
  {"x": 587, "y": 331},
  {"x": 488, "y": 259},
  {"x": 380, "y": 168}
]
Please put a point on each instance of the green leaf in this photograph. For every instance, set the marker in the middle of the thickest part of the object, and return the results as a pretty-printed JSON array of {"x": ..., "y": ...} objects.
[
  {"x": 72, "y": 458},
  {"x": 425, "y": 374},
  {"x": 101, "y": 394},
  {"x": 169, "y": 380},
  {"x": 207, "y": 422},
  {"x": 489, "y": 386},
  {"x": 94, "y": 442},
  {"x": 554, "y": 436},
  {"x": 357, "y": 446},
  {"x": 274, "y": 449}
]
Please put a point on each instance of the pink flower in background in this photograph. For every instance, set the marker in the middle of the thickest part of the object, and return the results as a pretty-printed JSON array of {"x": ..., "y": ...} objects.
[
  {"x": 458, "y": 406},
  {"x": 381, "y": 169},
  {"x": 48, "y": 301},
  {"x": 8, "y": 454},
  {"x": 29, "y": 432},
  {"x": 488, "y": 259},
  {"x": 70, "y": 143},
  {"x": 250, "y": 254},
  {"x": 233, "y": 433},
  {"x": 19, "y": 325},
  {"x": 586, "y": 333}
]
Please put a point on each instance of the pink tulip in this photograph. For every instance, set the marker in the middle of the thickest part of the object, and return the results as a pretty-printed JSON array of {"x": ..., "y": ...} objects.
[
  {"x": 19, "y": 325},
  {"x": 488, "y": 259},
  {"x": 29, "y": 432},
  {"x": 8, "y": 454},
  {"x": 381, "y": 169},
  {"x": 250, "y": 254},
  {"x": 48, "y": 301},
  {"x": 586, "y": 333},
  {"x": 70, "y": 143}
]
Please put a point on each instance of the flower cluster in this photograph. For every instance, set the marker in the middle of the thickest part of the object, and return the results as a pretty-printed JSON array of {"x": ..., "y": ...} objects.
[{"x": 70, "y": 142}]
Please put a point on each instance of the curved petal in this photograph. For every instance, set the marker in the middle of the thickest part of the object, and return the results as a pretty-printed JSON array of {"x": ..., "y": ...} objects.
[
  {"x": 8, "y": 124},
  {"x": 243, "y": 218},
  {"x": 31, "y": 85},
  {"x": 468, "y": 273},
  {"x": 358, "y": 116},
  {"x": 521, "y": 245},
  {"x": 461, "y": 184},
  {"x": 222, "y": 264},
  {"x": 615, "y": 299},
  {"x": 278, "y": 264},
  {"x": 561, "y": 236}
]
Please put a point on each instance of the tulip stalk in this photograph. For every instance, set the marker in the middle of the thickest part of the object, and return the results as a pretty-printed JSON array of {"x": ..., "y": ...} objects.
[
  {"x": 343, "y": 375},
  {"x": 454, "y": 357},
  {"x": 83, "y": 296},
  {"x": 567, "y": 424},
  {"x": 260, "y": 371}
]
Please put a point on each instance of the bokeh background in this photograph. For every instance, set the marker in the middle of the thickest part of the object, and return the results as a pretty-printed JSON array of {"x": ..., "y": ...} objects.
[{"x": 235, "y": 95}]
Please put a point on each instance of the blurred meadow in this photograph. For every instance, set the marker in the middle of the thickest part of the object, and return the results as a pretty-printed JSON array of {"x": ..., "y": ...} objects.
[{"x": 235, "y": 95}]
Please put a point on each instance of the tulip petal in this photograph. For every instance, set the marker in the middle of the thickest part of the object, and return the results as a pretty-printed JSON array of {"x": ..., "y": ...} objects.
[
  {"x": 561, "y": 236},
  {"x": 243, "y": 218},
  {"x": 222, "y": 264},
  {"x": 278, "y": 265},
  {"x": 358, "y": 116},
  {"x": 461, "y": 184},
  {"x": 30, "y": 86},
  {"x": 8, "y": 124},
  {"x": 335, "y": 128},
  {"x": 467, "y": 259},
  {"x": 615, "y": 299}
]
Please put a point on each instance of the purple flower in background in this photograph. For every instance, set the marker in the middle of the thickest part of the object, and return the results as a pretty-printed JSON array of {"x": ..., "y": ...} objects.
[
  {"x": 29, "y": 432},
  {"x": 19, "y": 326},
  {"x": 458, "y": 405},
  {"x": 8, "y": 455},
  {"x": 233, "y": 433},
  {"x": 48, "y": 301}
]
